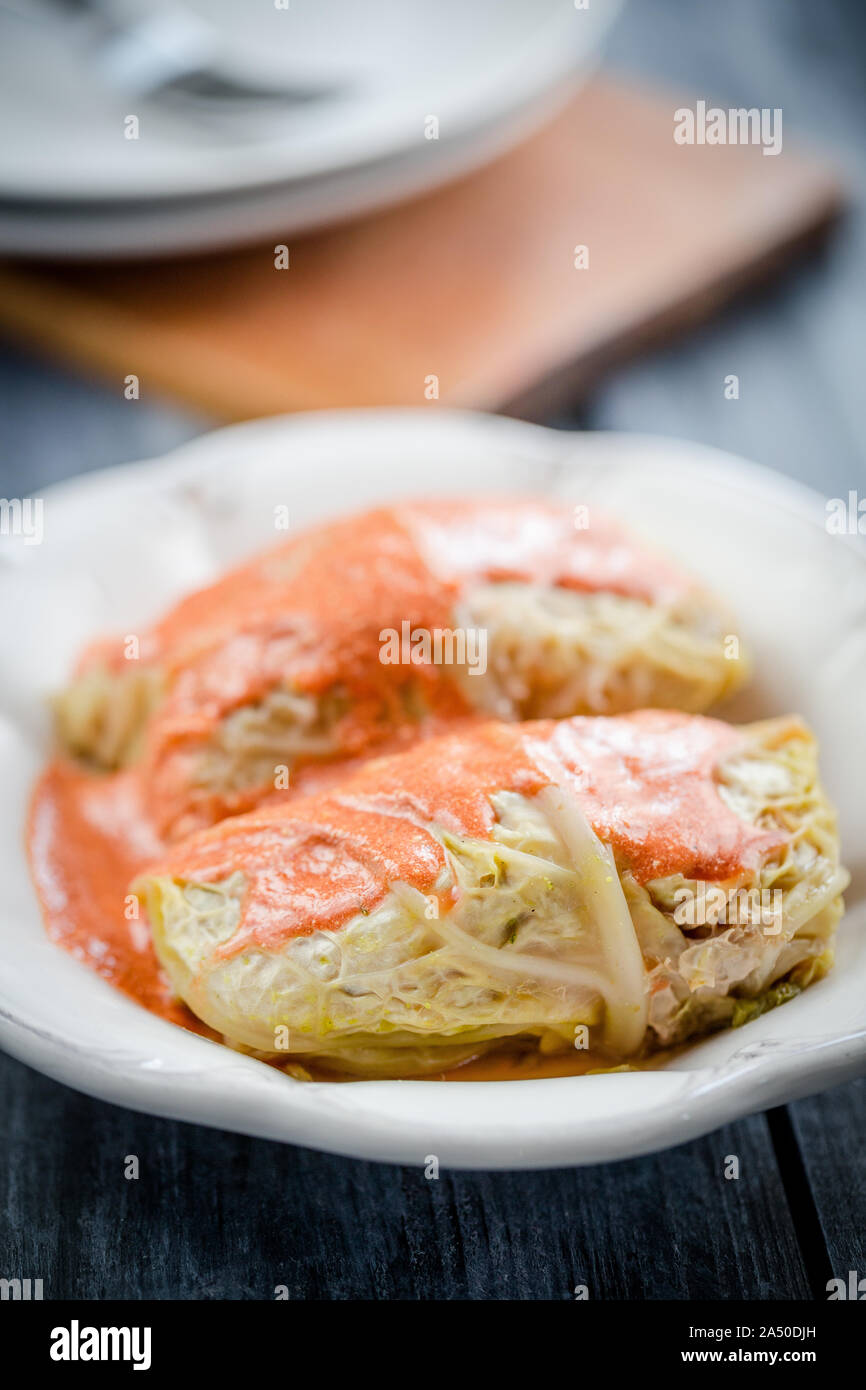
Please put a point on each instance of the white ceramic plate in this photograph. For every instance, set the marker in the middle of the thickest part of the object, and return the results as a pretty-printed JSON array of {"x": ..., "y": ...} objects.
[
  {"x": 158, "y": 227},
  {"x": 121, "y": 544},
  {"x": 393, "y": 63}
]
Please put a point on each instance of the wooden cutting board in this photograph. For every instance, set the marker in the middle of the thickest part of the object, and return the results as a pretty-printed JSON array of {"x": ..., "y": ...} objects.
[{"x": 472, "y": 290}]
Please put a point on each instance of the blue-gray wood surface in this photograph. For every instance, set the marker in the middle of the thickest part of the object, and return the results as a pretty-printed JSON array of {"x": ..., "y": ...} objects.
[{"x": 220, "y": 1216}]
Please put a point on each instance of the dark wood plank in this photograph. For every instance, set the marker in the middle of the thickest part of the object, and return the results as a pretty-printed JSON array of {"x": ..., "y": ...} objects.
[
  {"x": 830, "y": 1131},
  {"x": 217, "y": 1215},
  {"x": 55, "y": 424}
]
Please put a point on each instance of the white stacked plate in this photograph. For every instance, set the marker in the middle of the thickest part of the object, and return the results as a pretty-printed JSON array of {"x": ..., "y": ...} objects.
[{"x": 72, "y": 184}]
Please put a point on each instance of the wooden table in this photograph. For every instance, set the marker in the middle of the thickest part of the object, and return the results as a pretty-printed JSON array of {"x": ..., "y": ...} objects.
[{"x": 219, "y": 1216}]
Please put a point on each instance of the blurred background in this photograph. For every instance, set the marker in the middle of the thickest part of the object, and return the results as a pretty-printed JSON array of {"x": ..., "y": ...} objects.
[
  {"x": 703, "y": 262},
  {"x": 429, "y": 171}
]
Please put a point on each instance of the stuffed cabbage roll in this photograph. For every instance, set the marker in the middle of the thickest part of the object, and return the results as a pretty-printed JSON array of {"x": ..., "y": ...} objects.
[
  {"x": 613, "y": 883},
  {"x": 381, "y": 628}
]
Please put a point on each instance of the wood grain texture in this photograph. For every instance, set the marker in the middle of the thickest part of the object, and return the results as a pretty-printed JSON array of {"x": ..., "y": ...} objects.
[
  {"x": 829, "y": 1132},
  {"x": 216, "y": 1215},
  {"x": 475, "y": 283}
]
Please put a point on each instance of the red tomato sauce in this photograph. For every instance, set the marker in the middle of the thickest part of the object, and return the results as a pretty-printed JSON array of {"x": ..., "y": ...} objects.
[
  {"x": 311, "y": 612},
  {"x": 310, "y": 615},
  {"x": 644, "y": 781}
]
